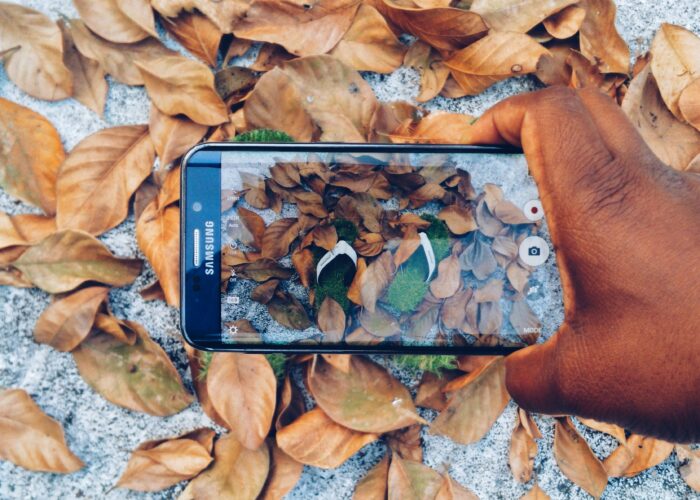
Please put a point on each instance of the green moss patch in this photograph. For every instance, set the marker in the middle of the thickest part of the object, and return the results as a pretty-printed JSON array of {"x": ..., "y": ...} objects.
[
  {"x": 263, "y": 135},
  {"x": 434, "y": 364}
]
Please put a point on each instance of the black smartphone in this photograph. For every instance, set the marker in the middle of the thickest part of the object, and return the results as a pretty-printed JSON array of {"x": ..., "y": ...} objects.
[{"x": 364, "y": 248}]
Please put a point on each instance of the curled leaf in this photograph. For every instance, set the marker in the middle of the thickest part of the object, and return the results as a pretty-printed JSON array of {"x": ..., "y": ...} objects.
[
  {"x": 106, "y": 18},
  {"x": 576, "y": 460}
]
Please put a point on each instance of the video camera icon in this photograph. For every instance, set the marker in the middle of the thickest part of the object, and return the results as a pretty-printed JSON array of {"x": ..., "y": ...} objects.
[{"x": 534, "y": 251}]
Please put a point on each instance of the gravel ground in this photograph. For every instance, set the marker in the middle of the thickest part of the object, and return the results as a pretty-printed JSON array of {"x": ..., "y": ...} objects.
[{"x": 103, "y": 434}]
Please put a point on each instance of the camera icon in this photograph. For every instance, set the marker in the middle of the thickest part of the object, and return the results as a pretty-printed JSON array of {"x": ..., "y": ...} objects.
[{"x": 534, "y": 251}]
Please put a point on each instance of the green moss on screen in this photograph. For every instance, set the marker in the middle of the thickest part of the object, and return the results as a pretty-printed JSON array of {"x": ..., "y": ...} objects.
[{"x": 263, "y": 135}]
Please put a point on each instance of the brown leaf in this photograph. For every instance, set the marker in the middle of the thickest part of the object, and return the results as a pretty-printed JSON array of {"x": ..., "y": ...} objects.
[
  {"x": 278, "y": 237},
  {"x": 517, "y": 16},
  {"x": 406, "y": 442},
  {"x": 225, "y": 15},
  {"x": 525, "y": 322},
  {"x": 124, "y": 331},
  {"x": 459, "y": 219},
  {"x": 242, "y": 388},
  {"x": 173, "y": 136},
  {"x": 523, "y": 449},
  {"x": 28, "y": 172},
  {"x": 333, "y": 96},
  {"x": 455, "y": 309},
  {"x": 675, "y": 63},
  {"x": 89, "y": 84},
  {"x": 118, "y": 60},
  {"x": 494, "y": 58},
  {"x": 381, "y": 403},
  {"x": 361, "y": 207},
  {"x": 477, "y": 401},
  {"x": 262, "y": 270},
  {"x": 314, "y": 439},
  {"x": 339, "y": 361},
  {"x": 374, "y": 484},
  {"x": 614, "y": 430},
  {"x": 303, "y": 30},
  {"x": 369, "y": 44},
  {"x": 576, "y": 460},
  {"x": 452, "y": 490},
  {"x": 30, "y": 438},
  {"x": 369, "y": 244},
  {"x": 690, "y": 471},
  {"x": 161, "y": 463},
  {"x": 37, "y": 65},
  {"x": 432, "y": 69},
  {"x": 158, "y": 236},
  {"x": 66, "y": 322},
  {"x": 535, "y": 493},
  {"x": 430, "y": 390},
  {"x": 566, "y": 22},
  {"x": 675, "y": 143},
  {"x": 99, "y": 177},
  {"x": 444, "y": 28},
  {"x": 284, "y": 474},
  {"x": 178, "y": 85},
  {"x": 331, "y": 320},
  {"x": 24, "y": 229},
  {"x": 234, "y": 84},
  {"x": 263, "y": 293},
  {"x": 106, "y": 18},
  {"x": 436, "y": 128},
  {"x": 379, "y": 323},
  {"x": 449, "y": 278},
  {"x": 407, "y": 247},
  {"x": 254, "y": 224},
  {"x": 599, "y": 38},
  {"x": 689, "y": 103},
  {"x": 197, "y": 34},
  {"x": 410, "y": 479},
  {"x": 196, "y": 361},
  {"x": 288, "y": 311},
  {"x": 635, "y": 455},
  {"x": 140, "y": 12},
  {"x": 375, "y": 280},
  {"x": 139, "y": 377},
  {"x": 325, "y": 236},
  {"x": 66, "y": 259},
  {"x": 237, "y": 472},
  {"x": 303, "y": 261}
]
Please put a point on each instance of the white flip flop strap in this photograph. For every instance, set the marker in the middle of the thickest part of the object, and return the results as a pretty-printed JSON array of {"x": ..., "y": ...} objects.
[
  {"x": 429, "y": 254},
  {"x": 340, "y": 248}
]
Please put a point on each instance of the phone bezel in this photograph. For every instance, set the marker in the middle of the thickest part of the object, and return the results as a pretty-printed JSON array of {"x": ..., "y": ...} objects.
[{"x": 185, "y": 243}]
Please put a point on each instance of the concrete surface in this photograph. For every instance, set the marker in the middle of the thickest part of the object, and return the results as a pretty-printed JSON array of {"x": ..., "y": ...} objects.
[{"x": 103, "y": 434}]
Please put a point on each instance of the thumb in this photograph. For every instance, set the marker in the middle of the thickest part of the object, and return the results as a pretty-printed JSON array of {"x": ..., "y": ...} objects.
[{"x": 531, "y": 378}]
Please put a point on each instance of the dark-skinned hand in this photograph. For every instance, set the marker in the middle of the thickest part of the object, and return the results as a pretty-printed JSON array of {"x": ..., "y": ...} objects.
[{"x": 626, "y": 231}]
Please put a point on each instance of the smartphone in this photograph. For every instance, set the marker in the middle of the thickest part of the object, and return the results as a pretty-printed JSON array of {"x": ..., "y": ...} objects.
[{"x": 350, "y": 248}]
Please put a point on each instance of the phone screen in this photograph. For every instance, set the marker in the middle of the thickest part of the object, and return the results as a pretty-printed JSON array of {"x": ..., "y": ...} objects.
[{"x": 383, "y": 249}]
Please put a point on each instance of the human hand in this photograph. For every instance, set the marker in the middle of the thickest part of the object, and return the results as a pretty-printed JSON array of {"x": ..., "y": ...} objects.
[{"x": 626, "y": 229}]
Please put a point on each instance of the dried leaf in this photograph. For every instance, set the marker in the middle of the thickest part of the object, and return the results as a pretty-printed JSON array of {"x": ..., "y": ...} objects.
[
  {"x": 380, "y": 402},
  {"x": 279, "y": 236},
  {"x": 254, "y": 224},
  {"x": 139, "y": 377},
  {"x": 689, "y": 103},
  {"x": 161, "y": 463},
  {"x": 331, "y": 320},
  {"x": 430, "y": 390},
  {"x": 178, "y": 85},
  {"x": 325, "y": 236},
  {"x": 284, "y": 474},
  {"x": 106, "y": 18},
  {"x": 523, "y": 449},
  {"x": 409, "y": 479},
  {"x": 599, "y": 38},
  {"x": 302, "y": 29},
  {"x": 24, "y": 229},
  {"x": 675, "y": 63},
  {"x": 374, "y": 484},
  {"x": 452, "y": 490},
  {"x": 118, "y": 60},
  {"x": 614, "y": 430},
  {"x": 66, "y": 322},
  {"x": 124, "y": 331},
  {"x": 158, "y": 236},
  {"x": 517, "y": 16},
  {"x": 173, "y": 136},
  {"x": 375, "y": 280},
  {"x": 576, "y": 460},
  {"x": 242, "y": 388},
  {"x": 28, "y": 172},
  {"x": 369, "y": 44},
  {"x": 30, "y": 438},
  {"x": 262, "y": 270},
  {"x": 237, "y": 472},
  {"x": 433, "y": 71},
  {"x": 690, "y": 472},
  {"x": 89, "y": 84},
  {"x": 303, "y": 261},
  {"x": 37, "y": 66},
  {"x": 444, "y": 28},
  {"x": 675, "y": 143},
  {"x": 635, "y": 455},
  {"x": 479, "y": 259},
  {"x": 225, "y": 15},
  {"x": 566, "y": 22},
  {"x": 535, "y": 493},
  {"x": 459, "y": 219},
  {"x": 66, "y": 259},
  {"x": 314, "y": 439},
  {"x": 494, "y": 58},
  {"x": 525, "y": 322},
  {"x": 99, "y": 177},
  {"x": 332, "y": 95},
  {"x": 449, "y": 278},
  {"x": 478, "y": 400},
  {"x": 197, "y": 34}
]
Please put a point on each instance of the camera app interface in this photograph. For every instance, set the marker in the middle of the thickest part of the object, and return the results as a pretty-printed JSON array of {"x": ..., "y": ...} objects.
[{"x": 406, "y": 249}]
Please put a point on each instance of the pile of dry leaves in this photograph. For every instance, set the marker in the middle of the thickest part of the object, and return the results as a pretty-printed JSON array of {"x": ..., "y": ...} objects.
[{"x": 305, "y": 82}]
